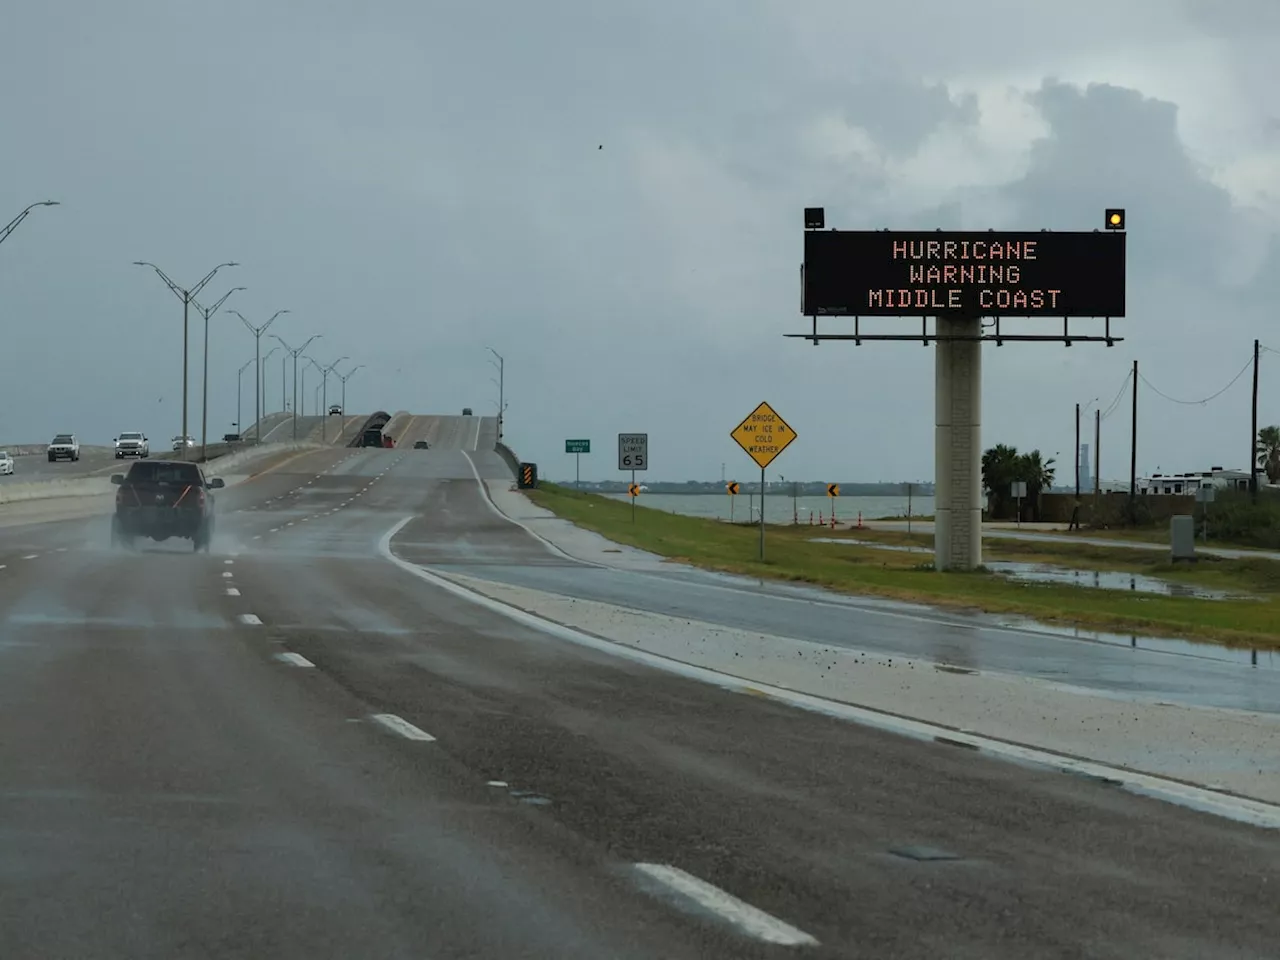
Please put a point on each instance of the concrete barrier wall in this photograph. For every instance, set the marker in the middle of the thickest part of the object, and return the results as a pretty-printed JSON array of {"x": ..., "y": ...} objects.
[
  {"x": 508, "y": 456},
  {"x": 241, "y": 463},
  {"x": 38, "y": 490},
  {"x": 39, "y": 449},
  {"x": 395, "y": 426}
]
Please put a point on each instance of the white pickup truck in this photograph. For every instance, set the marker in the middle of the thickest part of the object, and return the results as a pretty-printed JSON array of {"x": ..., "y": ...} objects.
[
  {"x": 64, "y": 447},
  {"x": 132, "y": 444}
]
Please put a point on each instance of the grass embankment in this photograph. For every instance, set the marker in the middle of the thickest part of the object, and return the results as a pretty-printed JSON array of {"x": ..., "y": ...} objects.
[{"x": 791, "y": 555}]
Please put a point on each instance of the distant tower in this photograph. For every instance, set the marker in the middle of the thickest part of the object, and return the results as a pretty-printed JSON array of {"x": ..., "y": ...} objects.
[{"x": 1086, "y": 469}]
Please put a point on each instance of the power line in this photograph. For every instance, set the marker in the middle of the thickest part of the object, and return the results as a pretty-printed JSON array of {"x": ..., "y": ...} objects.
[
  {"x": 1119, "y": 396},
  {"x": 1196, "y": 403}
]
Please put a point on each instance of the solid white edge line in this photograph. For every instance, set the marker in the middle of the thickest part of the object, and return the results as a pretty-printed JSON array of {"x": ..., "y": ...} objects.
[
  {"x": 250, "y": 618},
  {"x": 294, "y": 659},
  {"x": 1242, "y": 809},
  {"x": 848, "y": 603},
  {"x": 750, "y": 920},
  {"x": 551, "y": 547},
  {"x": 401, "y": 726}
]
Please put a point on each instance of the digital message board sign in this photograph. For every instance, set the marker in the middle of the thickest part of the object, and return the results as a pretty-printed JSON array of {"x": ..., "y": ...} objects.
[{"x": 886, "y": 273}]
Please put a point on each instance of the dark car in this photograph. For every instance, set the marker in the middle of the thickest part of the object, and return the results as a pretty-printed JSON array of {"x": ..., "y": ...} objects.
[
  {"x": 420, "y": 445},
  {"x": 162, "y": 499}
]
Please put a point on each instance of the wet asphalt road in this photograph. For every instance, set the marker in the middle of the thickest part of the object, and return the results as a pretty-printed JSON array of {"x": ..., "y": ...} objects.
[{"x": 169, "y": 788}]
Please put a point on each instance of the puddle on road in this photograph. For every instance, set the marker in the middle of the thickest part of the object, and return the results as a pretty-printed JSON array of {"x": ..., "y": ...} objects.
[
  {"x": 1201, "y": 649},
  {"x": 1106, "y": 580},
  {"x": 1069, "y": 576}
]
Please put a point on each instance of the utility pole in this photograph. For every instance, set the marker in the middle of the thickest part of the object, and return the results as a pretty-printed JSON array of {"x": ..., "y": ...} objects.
[
  {"x": 1077, "y": 451},
  {"x": 204, "y": 402},
  {"x": 502, "y": 406},
  {"x": 1097, "y": 456},
  {"x": 295, "y": 354},
  {"x": 257, "y": 353},
  {"x": 1133, "y": 452},
  {"x": 1253, "y": 443},
  {"x": 185, "y": 296}
]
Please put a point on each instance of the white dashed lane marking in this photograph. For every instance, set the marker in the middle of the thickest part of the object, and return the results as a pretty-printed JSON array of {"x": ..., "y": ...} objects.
[
  {"x": 228, "y": 561},
  {"x": 226, "y": 574},
  {"x": 250, "y": 618},
  {"x": 294, "y": 659},
  {"x": 31, "y": 556},
  {"x": 403, "y": 727},
  {"x": 232, "y": 592},
  {"x": 750, "y": 920}
]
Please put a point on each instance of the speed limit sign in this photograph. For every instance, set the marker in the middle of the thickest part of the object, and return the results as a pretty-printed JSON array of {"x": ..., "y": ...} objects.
[{"x": 633, "y": 451}]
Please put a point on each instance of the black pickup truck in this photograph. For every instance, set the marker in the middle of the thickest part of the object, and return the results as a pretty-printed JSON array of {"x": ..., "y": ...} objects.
[{"x": 162, "y": 499}]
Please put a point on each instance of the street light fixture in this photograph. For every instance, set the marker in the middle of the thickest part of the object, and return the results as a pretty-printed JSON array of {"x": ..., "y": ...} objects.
[
  {"x": 502, "y": 407},
  {"x": 257, "y": 352},
  {"x": 186, "y": 296},
  {"x": 295, "y": 354},
  {"x": 204, "y": 403},
  {"x": 13, "y": 224}
]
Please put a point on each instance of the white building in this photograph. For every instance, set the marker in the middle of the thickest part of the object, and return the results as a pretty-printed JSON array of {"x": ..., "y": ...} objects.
[{"x": 1189, "y": 483}]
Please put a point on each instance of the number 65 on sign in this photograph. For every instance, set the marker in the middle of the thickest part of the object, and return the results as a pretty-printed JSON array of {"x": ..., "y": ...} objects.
[{"x": 633, "y": 451}]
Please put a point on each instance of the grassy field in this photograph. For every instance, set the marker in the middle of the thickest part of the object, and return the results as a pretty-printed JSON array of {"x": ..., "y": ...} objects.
[{"x": 791, "y": 555}]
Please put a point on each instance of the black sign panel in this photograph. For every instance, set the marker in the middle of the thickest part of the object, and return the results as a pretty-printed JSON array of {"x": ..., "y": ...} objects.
[{"x": 888, "y": 273}]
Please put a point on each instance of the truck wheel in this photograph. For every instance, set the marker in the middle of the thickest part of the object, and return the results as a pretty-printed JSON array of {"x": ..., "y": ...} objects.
[{"x": 52, "y": 458}]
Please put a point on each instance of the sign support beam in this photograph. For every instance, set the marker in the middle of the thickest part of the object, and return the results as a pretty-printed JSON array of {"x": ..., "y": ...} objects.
[{"x": 957, "y": 538}]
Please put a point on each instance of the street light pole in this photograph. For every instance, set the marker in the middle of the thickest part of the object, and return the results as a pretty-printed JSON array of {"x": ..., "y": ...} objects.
[
  {"x": 185, "y": 296},
  {"x": 257, "y": 353},
  {"x": 13, "y": 224},
  {"x": 204, "y": 403},
  {"x": 239, "y": 395},
  {"x": 324, "y": 399},
  {"x": 350, "y": 373},
  {"x": 266, "y": 411},
  {"x": 295, "y": 354},
  {"x": 502, "y": 406}
]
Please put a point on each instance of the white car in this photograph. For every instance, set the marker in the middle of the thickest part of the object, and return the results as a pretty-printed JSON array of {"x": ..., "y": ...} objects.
[
  {"x": 183, "y": 443},
  {"x": 132, "y": 444},
  {"x": 6, "y": 464}
]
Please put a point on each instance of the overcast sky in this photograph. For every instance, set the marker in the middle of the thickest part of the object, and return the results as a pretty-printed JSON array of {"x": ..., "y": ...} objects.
[{"x": 418, "y": 181}]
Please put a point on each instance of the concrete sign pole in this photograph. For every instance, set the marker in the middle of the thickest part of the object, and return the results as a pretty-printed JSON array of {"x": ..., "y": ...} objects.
[{"x": 958, "y": 445}]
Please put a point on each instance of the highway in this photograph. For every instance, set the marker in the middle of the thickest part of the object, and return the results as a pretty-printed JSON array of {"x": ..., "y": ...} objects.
[{"x": 295, "y": 747}]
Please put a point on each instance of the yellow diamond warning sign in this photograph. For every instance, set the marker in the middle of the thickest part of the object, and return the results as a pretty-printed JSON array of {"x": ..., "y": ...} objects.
[{"x": 763, "y": 435}]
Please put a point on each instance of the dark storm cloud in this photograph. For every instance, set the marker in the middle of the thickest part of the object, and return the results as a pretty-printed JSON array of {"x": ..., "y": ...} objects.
[
  {"x": 1113, "y": 147},
  {"x": 901, "y": 114}
]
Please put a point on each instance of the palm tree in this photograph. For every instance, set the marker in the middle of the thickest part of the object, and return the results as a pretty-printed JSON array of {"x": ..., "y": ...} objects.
[
  {"x": 1037, "y": 473},
  {"x": 1269, "y": 454},
  {"x": 999, "y": 469}
]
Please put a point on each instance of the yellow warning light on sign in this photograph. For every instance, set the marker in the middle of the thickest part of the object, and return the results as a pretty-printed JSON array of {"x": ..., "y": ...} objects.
[{"x": 1115, "y": 219}]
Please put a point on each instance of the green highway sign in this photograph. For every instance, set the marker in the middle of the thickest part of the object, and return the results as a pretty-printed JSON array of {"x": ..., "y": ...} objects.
[{"x": 577, "y": 446}]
